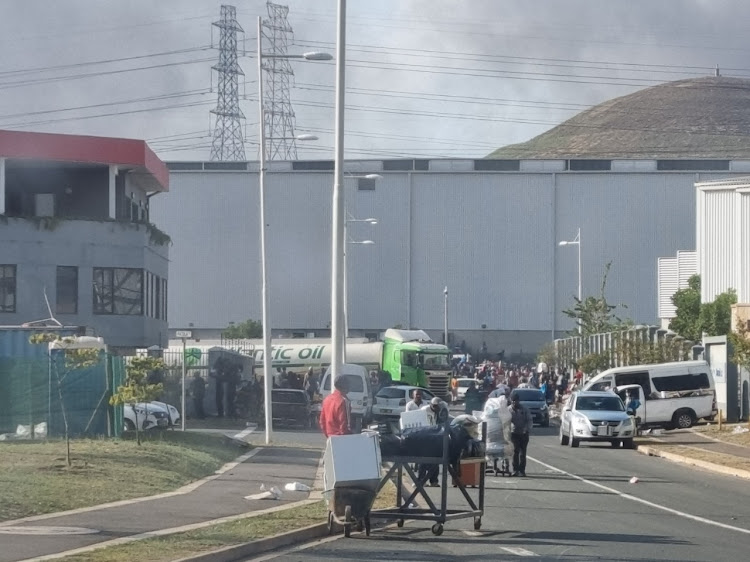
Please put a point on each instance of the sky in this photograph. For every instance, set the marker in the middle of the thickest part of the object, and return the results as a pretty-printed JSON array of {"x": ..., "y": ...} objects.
[{"x": 424, "y": 78}]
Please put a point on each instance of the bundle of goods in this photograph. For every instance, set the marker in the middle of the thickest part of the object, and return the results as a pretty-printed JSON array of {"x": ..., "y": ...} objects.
[{"x": 499, "y": 447}]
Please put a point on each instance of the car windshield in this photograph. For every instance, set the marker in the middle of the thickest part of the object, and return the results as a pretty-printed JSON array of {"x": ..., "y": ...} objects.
[
  {"x": 289, "y": 397},
  {"x": 529, "y": 395},
  {"x": 356, "y": 383},
  {"x": 436, "y": 361},
  {"x": 605, "y": 403},
  {"x": 389, "y": 392},
  {"x": 464, "y": 383}
]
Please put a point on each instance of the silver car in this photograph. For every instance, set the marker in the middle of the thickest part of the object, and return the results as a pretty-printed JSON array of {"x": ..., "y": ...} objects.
[{"x": 596, "y": 416}]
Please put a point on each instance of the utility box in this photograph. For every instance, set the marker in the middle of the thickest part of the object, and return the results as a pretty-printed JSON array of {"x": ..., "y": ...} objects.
[{"x": 352, "y": 461}]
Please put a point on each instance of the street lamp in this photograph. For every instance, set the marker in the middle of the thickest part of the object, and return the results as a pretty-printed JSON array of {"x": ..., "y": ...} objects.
[
  {"x": 267, "y": 355},
  {"x": 576, "y": 242},
  {"x": 445, "y": 318}
]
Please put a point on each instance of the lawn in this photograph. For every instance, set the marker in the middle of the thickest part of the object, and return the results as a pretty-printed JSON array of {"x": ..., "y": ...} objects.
[{"x": 34, "y": 478}]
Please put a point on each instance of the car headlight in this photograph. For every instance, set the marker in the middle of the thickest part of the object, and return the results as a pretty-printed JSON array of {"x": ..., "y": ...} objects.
[
  {"x": 627, "y": 423},
  {"x": 578, "y": 419}
]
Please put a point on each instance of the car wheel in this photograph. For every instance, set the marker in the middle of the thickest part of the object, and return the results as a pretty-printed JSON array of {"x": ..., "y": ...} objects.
[
  {"x": 615, "y": 443},
  {"x": 628, "y": 443},
  {"x": 129, "y": 425},
  {"x": 563, "y": 437},
  {"x": 683, "y": 419},
  {"x": 574, "y": 442}
]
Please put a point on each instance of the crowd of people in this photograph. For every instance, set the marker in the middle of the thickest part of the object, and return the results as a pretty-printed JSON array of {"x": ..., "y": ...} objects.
[{"x": 496, "y": 378}]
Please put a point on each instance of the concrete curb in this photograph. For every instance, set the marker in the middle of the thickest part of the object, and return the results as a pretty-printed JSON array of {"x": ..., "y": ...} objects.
[
  {"x": 261, "y": 546},
  {"x": 725, "y": 470}
]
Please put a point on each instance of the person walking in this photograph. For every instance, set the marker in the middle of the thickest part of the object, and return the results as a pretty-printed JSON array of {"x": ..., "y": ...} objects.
[
  {"x": 520, "y": 425},
  {"x": 335, "y": 412}
]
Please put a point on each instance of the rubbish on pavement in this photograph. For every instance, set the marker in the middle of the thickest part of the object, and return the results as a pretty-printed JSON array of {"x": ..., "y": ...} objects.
[
  {"x": 266, "y": 494},
  {"x": 634, "y": 480},
  {"x": 740, "y": 429},
  {"x": 297, "y": 487}
]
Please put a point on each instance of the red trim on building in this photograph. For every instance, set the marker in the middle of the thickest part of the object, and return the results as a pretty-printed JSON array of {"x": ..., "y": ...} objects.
[{"x": 75, "y": 148}]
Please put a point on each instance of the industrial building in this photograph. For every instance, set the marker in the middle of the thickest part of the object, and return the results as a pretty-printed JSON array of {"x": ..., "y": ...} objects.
[
  {"x": 77, "y": 245},
  {"x": 487, "y": 229}
]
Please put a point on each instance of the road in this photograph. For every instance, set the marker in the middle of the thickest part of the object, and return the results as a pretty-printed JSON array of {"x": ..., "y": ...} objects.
[{"x": 576, "y": 505}]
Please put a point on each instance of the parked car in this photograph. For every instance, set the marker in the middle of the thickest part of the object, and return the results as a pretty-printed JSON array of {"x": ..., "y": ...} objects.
[
  {"x": 290, "y": 406},
  {"x": 536, "y": 402},
  {"x": 596, "y": 416},
  {"x": 463, "y": 384},
  {"x": 174, "y": 413},
  {"x": 149, "y": 416},
  {"x": 390, "y": 401},
  {"x": 360, "y": 393}
]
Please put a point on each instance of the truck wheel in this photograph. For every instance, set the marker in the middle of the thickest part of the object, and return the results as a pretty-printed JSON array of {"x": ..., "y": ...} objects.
[{"x": 683, "y": 419}]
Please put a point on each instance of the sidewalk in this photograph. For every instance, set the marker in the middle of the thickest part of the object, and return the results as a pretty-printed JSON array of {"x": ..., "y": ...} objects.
[{"x": 219, "y": 497}]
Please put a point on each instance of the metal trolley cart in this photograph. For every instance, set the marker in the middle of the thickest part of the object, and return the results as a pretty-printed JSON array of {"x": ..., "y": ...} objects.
[{"x": 436, "y": 511}]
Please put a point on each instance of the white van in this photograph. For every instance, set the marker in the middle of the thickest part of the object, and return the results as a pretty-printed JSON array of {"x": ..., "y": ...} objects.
[
  {"x": 360, "y": 392},
  {"x": 684, "y": 390}
]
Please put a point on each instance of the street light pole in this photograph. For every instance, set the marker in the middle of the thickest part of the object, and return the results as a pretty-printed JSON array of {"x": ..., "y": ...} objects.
[
  {"x": 577, "y": 242},
  {"x": 265, "y": 316},
  {"x": 337, "y": 246},
  {"x": 267, "y": 355},
  {"x": 445, "y": 317}
]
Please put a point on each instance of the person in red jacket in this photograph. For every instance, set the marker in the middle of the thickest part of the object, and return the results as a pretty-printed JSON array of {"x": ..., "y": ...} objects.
[{"x": 334, "y": 413}]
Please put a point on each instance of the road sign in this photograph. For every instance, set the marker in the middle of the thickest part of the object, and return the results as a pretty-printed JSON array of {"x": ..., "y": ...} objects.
[{"x": 184, "y": 334}]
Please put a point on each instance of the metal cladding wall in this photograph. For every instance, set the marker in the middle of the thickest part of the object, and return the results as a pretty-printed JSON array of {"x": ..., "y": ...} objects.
[
  {"x": 491, "y": 237},
  {"x": 717, "y": 239}
]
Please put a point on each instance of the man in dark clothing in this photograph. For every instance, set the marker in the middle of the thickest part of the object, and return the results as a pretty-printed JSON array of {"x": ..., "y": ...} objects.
[
  {"x": 198, "y": 391},
  {"x": 520, "y": 425}
]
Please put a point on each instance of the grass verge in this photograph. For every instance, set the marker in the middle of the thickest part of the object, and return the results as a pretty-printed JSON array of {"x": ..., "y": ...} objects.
[
  {"x": 725, "y": 434},
  {"x": 705, "y": 455},
  {"x": 214, "y": 537},
  {"x": 34, "y": 478}
]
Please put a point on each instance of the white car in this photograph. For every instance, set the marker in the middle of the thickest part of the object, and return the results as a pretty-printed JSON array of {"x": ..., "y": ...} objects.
[
  {"x": 174, "y": 413},
  {"x": 596, "y": 416},
  {"x": 149, "y": 416},
  {"x": 390, "y": 401},
  {"x": 463, "y": 384}
]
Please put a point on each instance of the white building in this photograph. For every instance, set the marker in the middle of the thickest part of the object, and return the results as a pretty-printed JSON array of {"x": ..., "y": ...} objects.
[{"x": 672, "y": 276}]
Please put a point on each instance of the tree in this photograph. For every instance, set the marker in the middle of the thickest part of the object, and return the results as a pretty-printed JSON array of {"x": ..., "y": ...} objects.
[
  {"x": 716, "y": 316},
  {"x": 695, "y": 318},
  {"x": 250, "y": 329},
  {"x": 137, "y": 387},
  {"x": 687, "y": 301},
  {"x": 740, "y": 340},
  {"x": 74, "y": 360},
  {"x": 595, "y": 315},
  {"x": 547, "y": 354}
]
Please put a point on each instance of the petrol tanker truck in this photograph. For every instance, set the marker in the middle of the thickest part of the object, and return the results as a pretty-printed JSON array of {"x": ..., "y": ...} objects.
[{"x": 408, "y": 356}]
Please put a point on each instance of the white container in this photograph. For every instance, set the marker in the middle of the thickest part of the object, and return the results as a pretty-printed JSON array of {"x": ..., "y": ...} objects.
[
  {"x": 352, "y": 461},
  {"x": 415, "y": 419}
]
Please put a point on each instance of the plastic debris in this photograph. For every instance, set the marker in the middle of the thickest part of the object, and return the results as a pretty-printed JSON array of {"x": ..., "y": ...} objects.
[
  {"x": 634, "y": 480},
  {"x": 297, "y": 487},
  {"x": 740, "y": 429},
  {"x": 266, "y": 494}
]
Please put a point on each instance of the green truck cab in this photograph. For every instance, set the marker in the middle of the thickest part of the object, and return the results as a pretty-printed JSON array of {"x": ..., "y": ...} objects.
[{"x": 411, "y": 357}]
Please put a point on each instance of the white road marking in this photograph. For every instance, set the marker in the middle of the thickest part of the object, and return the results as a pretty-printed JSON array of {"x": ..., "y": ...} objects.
[
  {"x": 517, "y": 550},
  {"x": 473, "y": 533},
  {"x": 644, "y": 502},
  {"x": 245, "y": 432}
]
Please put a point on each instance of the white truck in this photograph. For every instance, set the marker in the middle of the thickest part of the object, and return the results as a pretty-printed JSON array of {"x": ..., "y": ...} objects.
[{"x": 671, "y": 395}]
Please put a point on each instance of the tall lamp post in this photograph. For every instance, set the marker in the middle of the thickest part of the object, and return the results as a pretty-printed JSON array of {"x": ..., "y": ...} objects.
[
  {"x": 267, "y": 355},
  {"x": 445, "y": 317},
  {"x": 346, "y": 280},
  {"x": 576, "y": 242},
  {"x": 338, "y": 215}
]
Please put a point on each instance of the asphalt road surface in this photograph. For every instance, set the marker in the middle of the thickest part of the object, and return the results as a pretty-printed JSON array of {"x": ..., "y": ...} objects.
[{"x": 575, "y": 505}]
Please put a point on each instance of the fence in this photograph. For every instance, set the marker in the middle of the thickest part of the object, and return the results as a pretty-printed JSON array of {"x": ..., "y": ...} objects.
[
  {"x": 35, "y": 391},
  {"x": 634, "y": 346}
]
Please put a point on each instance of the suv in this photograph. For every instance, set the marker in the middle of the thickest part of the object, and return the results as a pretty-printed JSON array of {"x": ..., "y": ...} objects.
[
  {"x": 596, "y": 416},
  {"x": 390, "y": 401},
  {"x": 536, "y": 402}
]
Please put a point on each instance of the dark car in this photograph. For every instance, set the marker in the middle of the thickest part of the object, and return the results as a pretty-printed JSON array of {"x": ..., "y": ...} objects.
[
  {"x": 291, "y": 407},
  {"x": 534, "y": 400}
]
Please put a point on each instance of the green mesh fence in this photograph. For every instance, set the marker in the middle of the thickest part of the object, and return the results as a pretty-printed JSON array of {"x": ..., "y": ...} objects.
[{"x": 36, "y": 392}]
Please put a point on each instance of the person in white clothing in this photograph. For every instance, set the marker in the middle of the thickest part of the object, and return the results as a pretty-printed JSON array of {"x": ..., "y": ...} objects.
[{"x": 416, "y": 403}]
